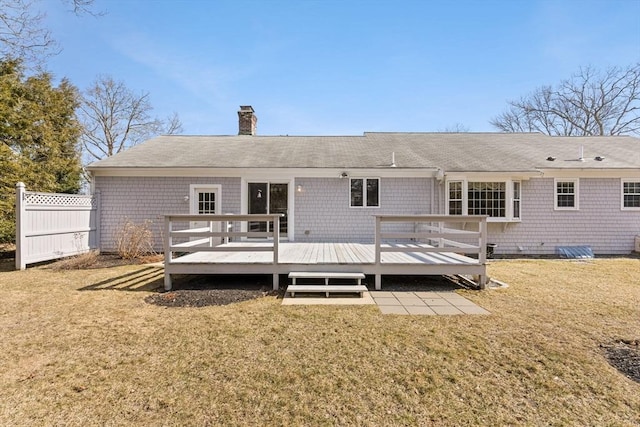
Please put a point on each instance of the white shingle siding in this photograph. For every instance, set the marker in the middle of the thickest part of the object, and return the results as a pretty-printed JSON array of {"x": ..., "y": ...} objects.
[
  {"x": 150, "y": 198},
  {"x": 599, "y": 223},
  {"x": 322, "y": 211}
]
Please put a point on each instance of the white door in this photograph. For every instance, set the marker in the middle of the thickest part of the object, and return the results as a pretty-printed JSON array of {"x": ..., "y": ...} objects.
[{"x": 205, "y": 200}]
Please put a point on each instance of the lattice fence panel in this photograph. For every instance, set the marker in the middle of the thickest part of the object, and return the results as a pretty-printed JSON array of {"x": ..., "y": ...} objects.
[{"x": 51, "y": 225}]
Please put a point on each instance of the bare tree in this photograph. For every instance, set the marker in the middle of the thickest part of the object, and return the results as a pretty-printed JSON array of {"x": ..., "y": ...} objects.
[
  {"x": 589, "y": 103},
  {"x": 115, "y": 118},
  {"x": 23, "y": 33},
  {"x": 457, "y": 127}
]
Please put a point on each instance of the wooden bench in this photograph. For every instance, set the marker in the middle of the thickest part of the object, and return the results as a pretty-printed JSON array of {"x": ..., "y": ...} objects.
[{"x": 326, "y": 288}]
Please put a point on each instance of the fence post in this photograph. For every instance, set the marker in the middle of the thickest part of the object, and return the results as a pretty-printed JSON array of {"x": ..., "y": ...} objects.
[{"x": 20, "y": 237}]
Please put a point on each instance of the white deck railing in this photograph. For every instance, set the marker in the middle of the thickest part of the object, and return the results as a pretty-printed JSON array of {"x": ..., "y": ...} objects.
[
  {"x": 219, "y": 229},
  {"x": 435, "y": 232}
]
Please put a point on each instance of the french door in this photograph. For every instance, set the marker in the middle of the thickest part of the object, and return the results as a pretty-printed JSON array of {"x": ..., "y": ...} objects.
[{"x": 268, "y": 198}]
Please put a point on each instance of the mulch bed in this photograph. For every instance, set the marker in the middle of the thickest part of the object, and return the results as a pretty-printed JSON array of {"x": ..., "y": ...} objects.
[
  {"x": 203, "y": 298},
  {"x": 624, "y": 355},
  {"x": 203, "y": 291}
]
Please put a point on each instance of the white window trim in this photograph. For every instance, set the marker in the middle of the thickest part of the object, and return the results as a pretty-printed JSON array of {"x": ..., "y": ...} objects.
[
  {"x": 622, "y": 182},
  {"x": 509, "y": 199},
  {"x": 364, "y": 192},
  {"x": 576, "y": 194},
  {"x": 513, "y": 199}
]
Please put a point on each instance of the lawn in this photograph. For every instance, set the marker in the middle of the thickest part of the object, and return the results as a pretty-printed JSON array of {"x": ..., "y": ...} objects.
[{"x": 83, "y": 348}]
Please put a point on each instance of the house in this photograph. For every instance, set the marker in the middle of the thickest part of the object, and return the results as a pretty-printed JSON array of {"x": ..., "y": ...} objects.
[{"x": 539, "y": 192}]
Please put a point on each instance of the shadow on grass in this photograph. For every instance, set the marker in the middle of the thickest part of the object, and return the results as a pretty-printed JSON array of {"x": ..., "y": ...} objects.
[
  {"x": 223, "y": 281},
  {"x": 418, "y": 283},
  {"x": 7, "y": 265},
  {"x": 146, "y": 279}
]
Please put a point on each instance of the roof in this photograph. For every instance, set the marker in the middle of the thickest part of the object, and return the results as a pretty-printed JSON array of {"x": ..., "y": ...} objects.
[{"x": 462, "y": 152}]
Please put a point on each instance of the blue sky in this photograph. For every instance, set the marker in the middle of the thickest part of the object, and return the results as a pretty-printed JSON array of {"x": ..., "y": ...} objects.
[{"x": 340, "y": 67}]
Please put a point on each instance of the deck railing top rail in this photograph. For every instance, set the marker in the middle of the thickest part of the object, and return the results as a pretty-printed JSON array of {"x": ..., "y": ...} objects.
[
  {"x": 433, "y": 238},
  {"x": 213, "y": 230}
]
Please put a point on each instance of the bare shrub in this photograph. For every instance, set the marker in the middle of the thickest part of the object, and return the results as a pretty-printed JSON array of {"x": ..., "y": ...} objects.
[
  {"x": 78, "y": 262},
  {"x": 135, "y": 241}
]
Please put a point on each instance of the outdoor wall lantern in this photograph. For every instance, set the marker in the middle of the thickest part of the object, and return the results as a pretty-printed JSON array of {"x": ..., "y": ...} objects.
[
  {"x": 299, "y": 188},
  {"x": 344, "y": 175}
]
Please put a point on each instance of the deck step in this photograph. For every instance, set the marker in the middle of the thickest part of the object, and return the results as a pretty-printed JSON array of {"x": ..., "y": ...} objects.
[
  {"x": 326, "y": 275},
  {"x": 327, "y": 289}
]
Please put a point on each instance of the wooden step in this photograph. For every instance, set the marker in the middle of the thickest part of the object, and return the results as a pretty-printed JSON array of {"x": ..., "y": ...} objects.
[
  {"x": 326, "y": 275},
  {"x": 327, "y": 289}
]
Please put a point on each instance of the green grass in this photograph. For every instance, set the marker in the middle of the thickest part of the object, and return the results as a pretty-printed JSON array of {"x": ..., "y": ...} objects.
[{"x": 83, "y": 348}]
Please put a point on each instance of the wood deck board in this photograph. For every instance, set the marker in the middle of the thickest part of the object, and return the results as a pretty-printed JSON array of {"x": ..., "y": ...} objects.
[{"x": 324, "y": 253}]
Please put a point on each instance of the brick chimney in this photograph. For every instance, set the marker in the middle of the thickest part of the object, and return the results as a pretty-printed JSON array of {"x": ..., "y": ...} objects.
[{"x": 247, "y": 120}]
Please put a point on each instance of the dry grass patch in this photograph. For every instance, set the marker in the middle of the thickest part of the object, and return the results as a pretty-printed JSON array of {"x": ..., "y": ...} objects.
[{"x": 103, "y": 356}]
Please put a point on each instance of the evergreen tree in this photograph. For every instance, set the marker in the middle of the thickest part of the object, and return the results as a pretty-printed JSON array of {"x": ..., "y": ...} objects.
[{"x": 39, "y": 135}]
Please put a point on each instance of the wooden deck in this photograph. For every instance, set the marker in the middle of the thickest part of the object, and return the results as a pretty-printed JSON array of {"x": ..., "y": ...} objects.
[
  {"x": 209, "y": 255},
  {"x": 322, "y": 254}
]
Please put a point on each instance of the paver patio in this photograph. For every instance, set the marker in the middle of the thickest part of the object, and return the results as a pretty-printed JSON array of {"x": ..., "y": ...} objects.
[
  {"x": 425, "y": 303},
  {"x": 401, "y": 302}
]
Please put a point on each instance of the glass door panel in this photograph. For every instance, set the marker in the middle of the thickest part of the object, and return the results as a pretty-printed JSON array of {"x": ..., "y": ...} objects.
[
  {"x": 258, "y": 203},
  {"x": 278, "y": 204}
]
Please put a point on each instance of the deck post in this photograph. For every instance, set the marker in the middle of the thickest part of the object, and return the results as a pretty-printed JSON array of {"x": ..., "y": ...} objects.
[
  {"x": 378, "y": 281},
  {"x": 482, "y": 241},
  {"x": 482, "y": 280},
  {"x": 378, "y": 241},
  {"x": 276, "y": 250},
  {"x": 167, "y": 252},
  {"x": 276, "y": 238}
]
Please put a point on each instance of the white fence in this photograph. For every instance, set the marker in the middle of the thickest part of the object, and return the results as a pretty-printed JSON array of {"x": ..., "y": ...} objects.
[{"x": 51, "y": 226}]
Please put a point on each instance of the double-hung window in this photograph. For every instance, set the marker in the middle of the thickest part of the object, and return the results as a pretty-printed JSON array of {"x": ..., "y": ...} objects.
[
  {"x": 566, "y": 194},
  {"x": 365, "y": 192},
  {"x": 499, "y": 200},
  {"x": 631, "y": 195}
]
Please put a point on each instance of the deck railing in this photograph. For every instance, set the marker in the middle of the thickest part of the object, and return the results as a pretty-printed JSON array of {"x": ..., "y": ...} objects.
[
  {"x": 218, "y": 229},
  {"x": 435, "y": 234}
]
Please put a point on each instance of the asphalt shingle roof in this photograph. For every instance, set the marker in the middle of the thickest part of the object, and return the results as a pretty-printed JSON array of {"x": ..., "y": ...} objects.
[{"x": 481, "y": 152}]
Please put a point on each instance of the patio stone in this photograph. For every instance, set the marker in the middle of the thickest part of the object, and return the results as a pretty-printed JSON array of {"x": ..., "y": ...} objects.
[
  {"x": 436, "y": 301},
  {"x": 392, "y": 309},
  {"x": 387, "y": 301},
  {"x": 411, "y": 301},
  {"x": 381, "y": 294},
  {"x": 420, "y": 310},
  {"x": 427, "y": 294}
]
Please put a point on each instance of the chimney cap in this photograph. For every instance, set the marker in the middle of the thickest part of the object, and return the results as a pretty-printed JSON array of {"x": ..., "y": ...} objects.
[{"x": 247, "y": 108}]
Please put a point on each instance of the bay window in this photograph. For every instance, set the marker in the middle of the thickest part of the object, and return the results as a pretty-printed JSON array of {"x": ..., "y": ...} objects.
[{"x": 499, "y": 200}]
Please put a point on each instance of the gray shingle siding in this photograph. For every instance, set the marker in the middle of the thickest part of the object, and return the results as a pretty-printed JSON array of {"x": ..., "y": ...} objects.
[
  {"x": 150, "y": 198},
  {"x": 322, "y": 211},
  {"x": 599, "y": 223}
]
